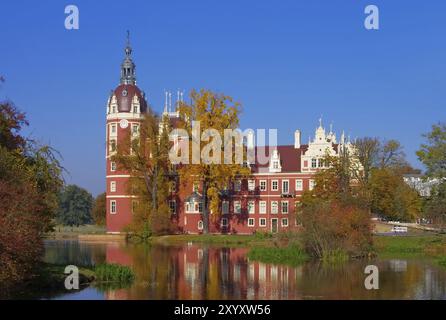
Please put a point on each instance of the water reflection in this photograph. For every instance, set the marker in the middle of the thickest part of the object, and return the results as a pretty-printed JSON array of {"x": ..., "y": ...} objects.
[{"x": 206, "y": 272}]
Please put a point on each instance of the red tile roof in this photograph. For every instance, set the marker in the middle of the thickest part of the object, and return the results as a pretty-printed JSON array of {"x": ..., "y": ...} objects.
[{"x": 290, "y": 158}]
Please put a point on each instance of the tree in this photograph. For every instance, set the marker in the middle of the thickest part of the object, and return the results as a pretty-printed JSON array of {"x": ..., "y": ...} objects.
[
  {"x": 435, "y": 205},
  {"x": 391, "y": 155},
  {"x": 146, "y": 158},
  {"x": 215, "y": 113},
  {"x": 433, "y": 153},
  {"x": 30, "y": 179},
  {"x": 335, "y": 220},
  {"x": 99, "y": 209},
  {"x": 392, "y": 197},
  {"x": 75, "y": 206}
]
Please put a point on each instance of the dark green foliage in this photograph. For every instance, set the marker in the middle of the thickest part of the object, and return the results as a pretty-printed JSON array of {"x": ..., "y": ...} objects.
[{"x": 75, "y": 206}]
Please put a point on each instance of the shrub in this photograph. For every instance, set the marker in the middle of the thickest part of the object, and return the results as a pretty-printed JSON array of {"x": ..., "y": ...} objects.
[
  {"x": 114, "y": 273},
  {"x": 332, "y": 229}
]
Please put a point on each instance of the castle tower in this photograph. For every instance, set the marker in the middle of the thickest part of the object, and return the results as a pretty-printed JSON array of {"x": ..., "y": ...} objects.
[{"x": 125, "y": 110}]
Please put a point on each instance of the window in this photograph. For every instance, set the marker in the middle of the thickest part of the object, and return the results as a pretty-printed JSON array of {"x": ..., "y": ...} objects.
[
  {"x": 313, "y": 163},
  {"x": 262, "y": 207},
  {"x": 285, "y": 186},
  {"x": 312, "y": 184},
  {"x": 225, "y": 207},
  {"x": 112, "y": 145},
  {"x": 113, "y": 166},
  {"x": 275, "y": 164},
  {"x": 251, "y": 185},
  {"x": 262, "y": 222},
  {"x": 274, "y": 207},
  {"x": 237, "y": 185},
  {"x": 200, "y": 207},
  {"x": 251, "y": 207},
  {"x": 113, "y": 206},
  {"x": 195, "y": 187},
  {"x": 135, "y": 129},
  {"x": 224, "y": 222},
  {"x": 284, "y": 206},
  {"x": 172, "y": 187},
  {"x": 275, "y": 185},
  {"x": 251, "y": 222},
  {"x": 262, "y": 185},
  {"x": 113, "y": 129},
  {"x": 135, "y": 109},
  {"x": 114, "y": 109},
  {"x": 113, "y": 186},
  {"x": 237, "y": 207},
  {"x": 299, "y": 185},
  {"x": 173, "y": 206},
  {"x": 200, "y": 225},
  {"x": 284, "y": 222}
]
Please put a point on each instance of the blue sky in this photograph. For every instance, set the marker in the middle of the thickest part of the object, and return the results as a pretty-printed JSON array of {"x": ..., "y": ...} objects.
[{"x": 287, "y": 62}]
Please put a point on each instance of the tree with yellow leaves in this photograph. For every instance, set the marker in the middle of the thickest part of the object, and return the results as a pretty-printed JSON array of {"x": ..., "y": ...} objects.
[{"x": 208, "y": 118}]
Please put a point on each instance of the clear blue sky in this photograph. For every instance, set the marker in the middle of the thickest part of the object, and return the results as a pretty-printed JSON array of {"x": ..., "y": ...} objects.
[{"x": 287, "y": 62}]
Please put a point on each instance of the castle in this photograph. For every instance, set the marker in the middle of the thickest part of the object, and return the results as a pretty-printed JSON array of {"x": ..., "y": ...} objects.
[{"x": 266, "y": 201}]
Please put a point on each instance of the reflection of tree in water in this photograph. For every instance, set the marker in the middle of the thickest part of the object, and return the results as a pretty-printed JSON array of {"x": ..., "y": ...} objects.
[
  {"x": 73, "y": 252},
  {"x": 206, "y": 272},
  {"x": 346, "y": 281}
]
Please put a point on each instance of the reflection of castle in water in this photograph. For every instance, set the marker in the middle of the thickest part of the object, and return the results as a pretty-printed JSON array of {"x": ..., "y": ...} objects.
[{"x": 196, "y": 272}]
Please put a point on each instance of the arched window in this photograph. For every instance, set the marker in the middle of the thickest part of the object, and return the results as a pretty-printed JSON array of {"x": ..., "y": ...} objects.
[{"x": 200, "y": 225}]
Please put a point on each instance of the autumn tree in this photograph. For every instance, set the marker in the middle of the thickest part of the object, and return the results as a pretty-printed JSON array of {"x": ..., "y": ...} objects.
[
  {"x": 145, "y": 157},
  {"x": 392, "y": 198},
  {"x": 99, "y": 209},
  {"x": 30, "y": 179},
  {"x": 335, "y": 220},
  {"x": 210, "y": 117}
]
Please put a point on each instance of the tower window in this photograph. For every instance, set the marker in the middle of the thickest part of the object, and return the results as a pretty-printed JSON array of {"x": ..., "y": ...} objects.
[
  {"x": 113, "y": 186},
  {"x": 173, "y": 206},
  {"x": 113, "y": 166},
  {"x": 113, "y": 207}
]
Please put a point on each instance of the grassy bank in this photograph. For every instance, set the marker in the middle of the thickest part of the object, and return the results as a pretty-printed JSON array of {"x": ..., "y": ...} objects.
[
  {"x": 290, "y": 255},
  {"x": 427, "y": 245},
  {"x": 231, "y": 240},
  {"x": 49, "y": 281},
  {"x": 65, "y": 232}
]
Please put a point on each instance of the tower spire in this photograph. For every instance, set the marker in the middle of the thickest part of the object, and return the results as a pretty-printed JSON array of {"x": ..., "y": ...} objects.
[{"x": 128, "y": 74}]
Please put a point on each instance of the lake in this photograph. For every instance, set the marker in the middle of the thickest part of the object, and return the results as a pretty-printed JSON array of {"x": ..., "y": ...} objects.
[{"x": 197, "y": 271}]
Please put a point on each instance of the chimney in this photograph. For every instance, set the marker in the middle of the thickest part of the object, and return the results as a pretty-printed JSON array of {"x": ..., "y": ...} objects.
[{"x": 297, "y": 139}]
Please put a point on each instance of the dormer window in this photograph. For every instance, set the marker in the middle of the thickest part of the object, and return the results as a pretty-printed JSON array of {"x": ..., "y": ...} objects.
[
  {"x": 275, "y": 162},
  {"x": 135, "y": 109}
]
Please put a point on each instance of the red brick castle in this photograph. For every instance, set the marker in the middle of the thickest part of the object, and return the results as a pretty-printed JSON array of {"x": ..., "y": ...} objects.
[{"x": 265, "y": 201}]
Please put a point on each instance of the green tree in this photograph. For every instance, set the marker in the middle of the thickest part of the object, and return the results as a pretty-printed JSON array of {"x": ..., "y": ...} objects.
[
  {"x": 435, "y": 205},
  {"x": 75, "y": 206},
  {"x": 215, "y": 113},
  {"x": 433, "y": 153},
  {"x": 99, "y": 210}
]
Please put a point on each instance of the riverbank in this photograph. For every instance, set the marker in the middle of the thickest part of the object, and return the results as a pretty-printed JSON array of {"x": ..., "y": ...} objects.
[{"x": 65, "y": 232}]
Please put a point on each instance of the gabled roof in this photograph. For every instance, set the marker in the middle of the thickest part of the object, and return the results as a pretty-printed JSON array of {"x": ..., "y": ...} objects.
[{"x": 290, "y": 158}]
